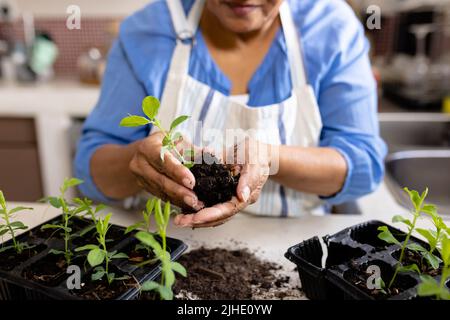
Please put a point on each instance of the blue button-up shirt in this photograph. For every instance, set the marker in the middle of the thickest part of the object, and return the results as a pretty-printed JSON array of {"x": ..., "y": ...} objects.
[{"x": 338, "y": 68}]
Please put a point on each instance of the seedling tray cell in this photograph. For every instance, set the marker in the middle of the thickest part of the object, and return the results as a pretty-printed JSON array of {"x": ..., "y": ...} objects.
[
  {"x": 14, "y": 285},
  {"x": 350, "y": 252}
]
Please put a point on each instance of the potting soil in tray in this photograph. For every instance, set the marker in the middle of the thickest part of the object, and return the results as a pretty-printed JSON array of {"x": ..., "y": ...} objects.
[
  {"x": 350, "y": 254},
  {"x": 221, "y": 274},
  {"x": 40, "y": 274}
]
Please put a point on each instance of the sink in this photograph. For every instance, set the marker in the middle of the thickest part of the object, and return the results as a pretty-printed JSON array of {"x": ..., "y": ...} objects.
[
  {"x": 413, "y": 132},
  {"x": 419, "y": 169}
]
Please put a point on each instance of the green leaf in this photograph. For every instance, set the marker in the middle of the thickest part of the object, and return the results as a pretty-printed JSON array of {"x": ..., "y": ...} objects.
[
  {"x": 133, "y": 227},
  {"x": 399, "y": 218},
  {"x": 134, "y": 121},
  {"x": 5, "y": 248},
  {"x": 432, "y": 241},
  {"x": 87, "y": 247},
  {"x": 98, "y": 275},
  {"x": 100, "y": 207},
  {"x": 411, "y": 268},
  {"x": 158, "y": 214},
  {"x": 17, "y": 209},
  {"x": 70, "y": 182},
  {"x": 169, "y": 275},
  {"x": 96, "y": 257},
  {"x": 56, "y": 252},
  {"x": 150, "y": 205},
  {"x": 105, "y": 223},
  {"x": 111, "y": 277},
  {"x": 387, "y": 236},
  {"x": 17, "y": 225},
  {"x": 166, "y": 212},
  {"x": 3, "y": 231},
  {"x": 165, "y": 293},
  {"x": 445, "y": 250},
  {"x": 175, "y": 123},
  {"x": 86, "y": 230},
  {"x": 429, "y": 209},
  {"x": 414, "y": 246},
  {"x": 150, "y": 106},
  {"x": 149, "y": 240},
  {"x": 120, "y": 255},
  {"x": 2, "y": 200},
  {"x": 53, "y": 201},
  {"x": 428, "y": 287},
  {"x": 150, "y": 286},
  {"x": 56, "y": 226},
  {"x": 416, "y": 199},
  {"x": 177, "y": 267},
  {"x": 432, "y": 260}
]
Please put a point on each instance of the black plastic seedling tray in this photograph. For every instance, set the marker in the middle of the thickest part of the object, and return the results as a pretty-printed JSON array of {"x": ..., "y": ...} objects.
[
  {"x": 350, "y": 251},
  {"x": 14, "y": 286}
]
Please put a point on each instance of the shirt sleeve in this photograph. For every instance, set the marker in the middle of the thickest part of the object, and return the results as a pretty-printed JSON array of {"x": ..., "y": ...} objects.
[
  {"x": 348, "y": 105},
  {"x": 121, "y": 93}
]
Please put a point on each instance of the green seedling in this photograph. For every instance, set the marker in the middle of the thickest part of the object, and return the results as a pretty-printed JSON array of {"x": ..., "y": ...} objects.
[
  {"x": 11, "y": 227},
  {"x": 145, "y": 223},
  {"x": 418, "y": 201},
  {"x": 429, "y": 287},
  {"x": 85, "y": 207},
  {"x": 99, "y": 257},
  {"x": 150, "y": 107},
  {"x": 433, "y": 237},
  {"x": 168, "y": 267},
  {"x": 68, "y": 213}
]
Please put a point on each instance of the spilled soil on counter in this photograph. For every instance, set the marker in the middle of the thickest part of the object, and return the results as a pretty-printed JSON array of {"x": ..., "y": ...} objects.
[{"x": 221, "y": 274}]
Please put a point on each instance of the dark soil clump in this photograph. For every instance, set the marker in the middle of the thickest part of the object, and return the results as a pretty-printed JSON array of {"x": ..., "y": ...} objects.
[
  {"x": 215, "y": 183},
  {"x": 220, "y": 274}
]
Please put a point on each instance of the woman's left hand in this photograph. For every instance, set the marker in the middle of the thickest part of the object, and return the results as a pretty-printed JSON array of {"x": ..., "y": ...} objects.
[{"x": 254, "y": 170}]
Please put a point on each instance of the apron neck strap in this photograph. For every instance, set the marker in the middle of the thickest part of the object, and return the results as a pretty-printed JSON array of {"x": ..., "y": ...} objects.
[
  {"x": 186, "y": 27},
  {"x": 294, "y": 48}
]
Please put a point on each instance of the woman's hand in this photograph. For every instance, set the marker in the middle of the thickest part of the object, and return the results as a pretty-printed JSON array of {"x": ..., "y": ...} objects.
[
  {"x": 254, "y": 165},
  {"x": 168, "y": 180}
]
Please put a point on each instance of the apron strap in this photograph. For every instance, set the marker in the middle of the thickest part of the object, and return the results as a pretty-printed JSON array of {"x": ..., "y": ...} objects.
[
  {"x": 185, "y": 29},
  {"x": 294, "y": 49}
]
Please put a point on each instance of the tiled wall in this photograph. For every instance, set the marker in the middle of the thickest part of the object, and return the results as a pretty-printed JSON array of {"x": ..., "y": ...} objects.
[
  {"x": 97, "y": 32},
  {"x": 94, "y": 32}
]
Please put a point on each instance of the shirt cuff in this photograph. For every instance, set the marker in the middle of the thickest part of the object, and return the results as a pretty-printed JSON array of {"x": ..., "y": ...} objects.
[{"x": 342, "y": 195}]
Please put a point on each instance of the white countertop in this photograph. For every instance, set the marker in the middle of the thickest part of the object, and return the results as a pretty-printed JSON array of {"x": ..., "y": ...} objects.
[{"x": 55, "y": 97}]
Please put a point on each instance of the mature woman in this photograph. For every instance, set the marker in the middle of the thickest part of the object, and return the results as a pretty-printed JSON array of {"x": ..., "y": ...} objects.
[{"x": 299, "y": 68}]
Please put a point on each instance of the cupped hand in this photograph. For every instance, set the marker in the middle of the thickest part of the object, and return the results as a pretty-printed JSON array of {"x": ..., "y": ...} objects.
[
  {"x": 168, "y": 180},
  {"x": 254, "y": 169}
]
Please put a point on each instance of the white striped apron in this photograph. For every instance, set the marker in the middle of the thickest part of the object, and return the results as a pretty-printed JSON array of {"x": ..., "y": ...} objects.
[{"x": 295, "y": 121}]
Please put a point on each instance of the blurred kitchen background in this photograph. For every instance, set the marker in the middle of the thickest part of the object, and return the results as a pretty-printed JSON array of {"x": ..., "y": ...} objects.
[{"x": 50, "y": 76}]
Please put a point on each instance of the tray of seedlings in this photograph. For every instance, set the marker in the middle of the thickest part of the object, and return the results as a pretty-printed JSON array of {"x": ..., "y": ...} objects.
[
  {"x": 80, "y": 255},
  {"x": 375, "y": 261}
]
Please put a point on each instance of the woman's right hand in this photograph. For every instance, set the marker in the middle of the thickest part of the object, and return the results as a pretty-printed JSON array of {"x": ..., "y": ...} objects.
[{"x": 168, "y": 180}]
